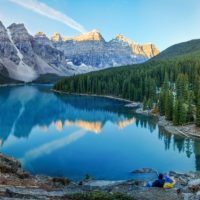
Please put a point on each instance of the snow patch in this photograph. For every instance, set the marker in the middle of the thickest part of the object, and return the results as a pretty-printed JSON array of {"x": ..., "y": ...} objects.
[{"x": 81, "y": 69}]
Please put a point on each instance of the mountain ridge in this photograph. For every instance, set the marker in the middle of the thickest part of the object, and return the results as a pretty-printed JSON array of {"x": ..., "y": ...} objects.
[
  {"x": 25, "y": 57},
  {"x": 147, "y": 49},
  {"x": 128, "y": 81},
  {"x": 180, "y": 49}
]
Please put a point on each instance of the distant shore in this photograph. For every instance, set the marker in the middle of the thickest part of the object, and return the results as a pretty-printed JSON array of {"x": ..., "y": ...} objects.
[{"x": 93, "y": 95}]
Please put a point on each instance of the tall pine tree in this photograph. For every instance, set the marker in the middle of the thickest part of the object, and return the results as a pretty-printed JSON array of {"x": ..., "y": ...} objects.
[{"x": 198, "y": 111}]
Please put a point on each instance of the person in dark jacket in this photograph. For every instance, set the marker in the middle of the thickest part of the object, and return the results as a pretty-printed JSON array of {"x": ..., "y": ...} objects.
[{"x": 160, "y": 182}]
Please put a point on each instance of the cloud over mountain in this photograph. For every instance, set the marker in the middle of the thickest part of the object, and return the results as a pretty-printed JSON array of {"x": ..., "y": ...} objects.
[{"x": 49, "y": 12}]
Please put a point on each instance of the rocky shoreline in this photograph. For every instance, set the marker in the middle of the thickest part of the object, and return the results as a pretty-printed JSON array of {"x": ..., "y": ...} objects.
[
  {"x": 189, "y": 130},
  {"x": 15, "y": 183}
]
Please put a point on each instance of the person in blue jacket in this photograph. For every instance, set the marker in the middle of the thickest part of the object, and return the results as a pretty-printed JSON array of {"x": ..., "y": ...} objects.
[
  {"x": 159, "y": 182},
  {"x": 163, "y": 181}
]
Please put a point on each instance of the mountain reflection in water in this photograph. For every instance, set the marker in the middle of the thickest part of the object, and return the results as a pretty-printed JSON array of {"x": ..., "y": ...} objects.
[
  {"x": 84, "y": 134},
  {"x": 26, "y": 107}
]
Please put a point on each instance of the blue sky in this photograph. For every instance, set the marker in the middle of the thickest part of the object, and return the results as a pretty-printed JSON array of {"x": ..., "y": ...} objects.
[{"x": 162, "y": 22}]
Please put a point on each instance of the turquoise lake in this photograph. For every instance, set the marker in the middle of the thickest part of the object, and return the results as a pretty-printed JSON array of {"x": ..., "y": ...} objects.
[{"x": 71, "y": 136}]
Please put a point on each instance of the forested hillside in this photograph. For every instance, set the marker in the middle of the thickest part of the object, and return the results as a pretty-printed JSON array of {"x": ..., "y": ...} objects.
[{"x": 168, "y": 83}]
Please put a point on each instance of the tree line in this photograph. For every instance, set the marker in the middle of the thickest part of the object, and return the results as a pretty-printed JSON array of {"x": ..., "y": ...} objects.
[{"x": 168, "y": 86}]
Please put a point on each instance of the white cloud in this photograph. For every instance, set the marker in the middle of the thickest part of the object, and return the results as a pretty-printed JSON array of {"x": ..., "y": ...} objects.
[{"x": 49, "y": 12}]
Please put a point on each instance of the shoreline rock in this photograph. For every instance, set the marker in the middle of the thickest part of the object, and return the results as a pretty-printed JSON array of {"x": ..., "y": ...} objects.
[
  {"x": 189, "y": 130},
  {"x": 15, "y": 183},
  {"x": 143, "y": 171}
]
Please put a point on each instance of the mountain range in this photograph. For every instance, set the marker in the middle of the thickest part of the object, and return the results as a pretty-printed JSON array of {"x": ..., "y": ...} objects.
[
  {"x": 139, "y": 82},
  {"x": 26, "y": 58}
]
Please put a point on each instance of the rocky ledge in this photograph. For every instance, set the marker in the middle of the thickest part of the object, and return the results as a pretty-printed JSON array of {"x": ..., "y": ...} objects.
[
  {"x": 188, "y": 130},
  {"x": 15, "y": 183}
]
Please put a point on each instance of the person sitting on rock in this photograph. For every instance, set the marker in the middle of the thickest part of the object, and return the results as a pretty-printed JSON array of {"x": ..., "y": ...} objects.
[
  {"x": 164, "y": 181},
  {"x": 160, "y": 182}
]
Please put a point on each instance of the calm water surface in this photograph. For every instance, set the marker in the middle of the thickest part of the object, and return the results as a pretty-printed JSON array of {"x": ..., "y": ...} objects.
[{"x": 70, "y": 136}]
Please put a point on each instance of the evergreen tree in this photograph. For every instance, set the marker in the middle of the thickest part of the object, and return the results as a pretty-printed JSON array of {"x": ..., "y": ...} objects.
[
  {"x": 145, "y": 104},
  {"x": 190, "y": 117},
  {"x": 182, "y": 87},
  {"x": 176, "y": 113},
  {"x": 162, "y": 103},
  {"x": 198, "y": 111},
  {"x": 169, "y": 103},
  {"x": 166, "y": 82},
  {"x": 182, "y": 113}
]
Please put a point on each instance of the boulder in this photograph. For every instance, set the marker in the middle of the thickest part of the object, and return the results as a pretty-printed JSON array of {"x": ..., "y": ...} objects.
[
  {"x": 143, "y": 171},
  {"x": 194, "y": 182},
  {"x": 194, "y": 185}
]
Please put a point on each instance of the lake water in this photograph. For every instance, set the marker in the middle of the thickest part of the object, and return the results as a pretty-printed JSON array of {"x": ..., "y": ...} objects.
[{"x": 70, "y": 136}]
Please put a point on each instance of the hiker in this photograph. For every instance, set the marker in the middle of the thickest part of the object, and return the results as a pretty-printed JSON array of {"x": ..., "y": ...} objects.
[
  {"x": 163, "y": 182},
  {"x": 159, "y": 182}
]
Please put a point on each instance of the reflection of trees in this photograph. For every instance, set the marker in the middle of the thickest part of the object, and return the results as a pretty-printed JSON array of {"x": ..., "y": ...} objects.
[
  {"x": 197, "y": 154},
  {"x": 188, "y": 147},
  {"x": 179, "y": 143},
  {"x": 182, "y": 144},
  {"x": 166, "y": 137},
  {"x": 146, "y": 122}
]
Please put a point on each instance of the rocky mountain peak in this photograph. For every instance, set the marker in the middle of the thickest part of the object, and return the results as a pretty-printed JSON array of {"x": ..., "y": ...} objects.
[
  {"x": 2, "y": 27},
  {"x": 40, "y": 34},
  {"x": 93, "y": 35},
  {"x": 41, "y": 38},
  {"x": 3, "y": 33},
  {"x": 26, "y": 57},
  {"x": 122, "y": 38},
  {"x": 56, "y": 37},
  {"x": 17, "y": 27},
  {"x": 150, "y": 50},
  {"x": 146, "y": 50},
  {"x": 19, "y": 32}
]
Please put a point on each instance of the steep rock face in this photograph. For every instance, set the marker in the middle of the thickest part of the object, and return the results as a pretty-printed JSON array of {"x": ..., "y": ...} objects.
[
  {"x": 42, "y": 39},
  {"x": 55, "y": 58},
  {"x": 150, "y": 50},
  {"x": 6, "y": 48},
  {"x": 22, "y": 41},
  {"x": 24, "y": 57},
  {"x": 94, "y": 35},
  {"x": 56, "y": 37},
  {"x": 92, "y": 50},
  {"x": 146, "y": 50}
]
